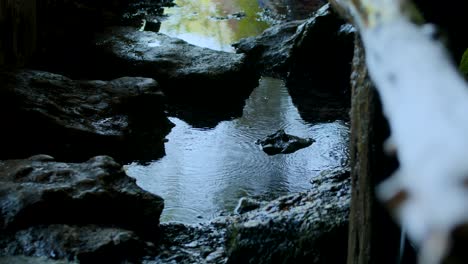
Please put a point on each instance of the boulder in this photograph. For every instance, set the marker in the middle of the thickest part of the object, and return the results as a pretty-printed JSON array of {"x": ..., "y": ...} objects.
[
  {"x": 39, "y": 190},
  {"x": 313, "y": 56},
  {"x": 187, "y": 244},
  {"x": 282, "y": 143},
  {"x": 200, "y": 83},
  {"x": 85, "y": 244},
  {"x": 269, "y": 52},
  {"x": 20, "y": 259},
  {"x": 320, "y": 67},
  {"x": 73, "y": 120},
  {"x": 62, "y": 47},
  {"x": 91, "y": 211},
  {"x": 309, "y": 227}
]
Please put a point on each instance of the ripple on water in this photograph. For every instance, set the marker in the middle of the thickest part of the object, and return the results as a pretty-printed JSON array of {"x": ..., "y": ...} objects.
[{"x": 206, "y": 171}]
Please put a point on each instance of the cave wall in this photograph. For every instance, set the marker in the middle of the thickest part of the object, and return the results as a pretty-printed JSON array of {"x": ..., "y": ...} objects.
[{"x": 55, "y": 31}]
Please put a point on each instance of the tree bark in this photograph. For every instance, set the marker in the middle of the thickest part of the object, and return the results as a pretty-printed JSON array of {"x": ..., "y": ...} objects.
[
  {"x": 373, "y": 236},
  {"x": 362, "y": 138},
  {"x": 425, "y": 100}
]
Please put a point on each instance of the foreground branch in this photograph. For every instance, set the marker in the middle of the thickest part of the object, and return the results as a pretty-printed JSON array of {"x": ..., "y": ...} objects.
[{"x": 425, "y": 100}]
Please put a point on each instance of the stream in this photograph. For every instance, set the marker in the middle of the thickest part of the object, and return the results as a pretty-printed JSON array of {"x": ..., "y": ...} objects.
[{"x": 206, "y": 171}]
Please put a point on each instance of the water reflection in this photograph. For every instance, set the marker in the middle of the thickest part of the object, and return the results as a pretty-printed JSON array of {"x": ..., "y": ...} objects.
[
  {"x": 292, "y": 9},
  {"x": 213, "y": 24},
  {"x": 205, "y": 172}
]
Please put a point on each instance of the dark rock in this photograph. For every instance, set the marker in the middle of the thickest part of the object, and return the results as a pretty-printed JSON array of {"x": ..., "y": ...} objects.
[
  {"x": 307, "y": 227},
  {"x": 148, "y": 11},
  {"x": 320, "y": 67},
  {"x": 62, "y": 47},
  {"x": 313, "y": 56},
  {"x": 19, "y": 259},
  {"x": 282, "y": 143},
  {"x": 269, "y": 52},
  {"x": 39, "y": 191},
  {"x": 187, "y": 244},
  {"x": 49, "y": 113},
  {"x": 199, "y": 82},
  {"x": 86, "y": 244}
]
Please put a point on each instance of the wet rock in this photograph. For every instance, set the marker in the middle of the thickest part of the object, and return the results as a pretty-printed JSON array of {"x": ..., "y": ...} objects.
[
  {"x": 247, "y": 204},
  {"x": 73, "y": 120},
  {"x": 237, "y": 15},
  {"x": 291, "y": 9},
  {"x": 201, "y": 84},
  {"x": 320, "y": 67},
  {"x": 269, "y": 52},
  {"x": 186, "y": 244},
  {"x": 40, "y": 191},
  {"x": 314, "y": 57},
  {"x": 62, "y": 47},
  {"x": 144, "y": 14},
  {"x": 307, "y": 227},
  {"x": 19, "y": 259},
  {"x": 85, "y": 244},
  {"x": 282, "y": 143}
]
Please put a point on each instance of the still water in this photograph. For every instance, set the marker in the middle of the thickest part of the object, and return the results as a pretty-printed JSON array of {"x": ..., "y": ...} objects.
[
  {"x": 206, "y": 171},
  {"x": 216, "y": 24},
  {"x": 213, "y": 24}
]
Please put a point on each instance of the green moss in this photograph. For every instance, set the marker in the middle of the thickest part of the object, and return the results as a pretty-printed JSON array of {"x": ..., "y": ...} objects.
[
  {"x": 464, "y": 64},
  {"x": 413, "y": 13}
]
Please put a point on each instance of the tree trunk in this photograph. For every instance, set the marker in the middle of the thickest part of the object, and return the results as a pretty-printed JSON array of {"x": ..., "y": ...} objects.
[
  {"x": 373, "y": 236},
  {"x": 425, "y": 100}
]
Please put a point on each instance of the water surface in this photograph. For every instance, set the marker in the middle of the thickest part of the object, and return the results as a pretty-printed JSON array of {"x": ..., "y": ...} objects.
[
  {"x": 206, "y": 171},
  {"x": 214, "y": 24}
]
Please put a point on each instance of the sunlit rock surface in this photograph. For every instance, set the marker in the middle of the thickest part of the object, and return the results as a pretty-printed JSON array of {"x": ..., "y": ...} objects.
[{"x": 49, "y": 113}]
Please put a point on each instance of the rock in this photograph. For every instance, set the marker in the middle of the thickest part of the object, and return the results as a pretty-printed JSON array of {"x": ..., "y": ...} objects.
[
  {"x": 187, "y": 244},
  {"x": 282, "y": 143},
  {"x": 18, "y": 259},
  {"x": 86, "y": 244},
  {"x": 313, "y": 56},
  {"x": 247, "y": 204},
  {"x": 237, "y": 16},
  {"x": 269, "y": 52},
  {"x": 320, "y": 69},
  {"x": 201, "y": 83},
  {"x": 73, "y": 120},
  {"x": 291, "y": 10},
  {"x": 308, "y": 227},
  {"x": 42, "y": 192},
  {"x": 62, "y": 47},
  {"x": 148, "y": 12}
]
